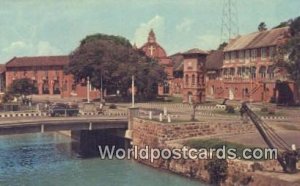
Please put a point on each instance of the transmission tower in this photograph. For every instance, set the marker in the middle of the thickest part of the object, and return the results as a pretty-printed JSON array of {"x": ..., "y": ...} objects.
[{"x": 230, "y": 21}]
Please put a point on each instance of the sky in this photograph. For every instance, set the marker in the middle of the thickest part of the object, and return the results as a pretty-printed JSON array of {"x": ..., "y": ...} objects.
[{"x": 55, "y": 27}]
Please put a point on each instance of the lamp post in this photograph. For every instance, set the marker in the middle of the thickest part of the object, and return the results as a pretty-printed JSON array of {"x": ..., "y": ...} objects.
[
  {"x": 88, "y": 89},
  {"x": 132, "y": 91},
  {"x": 101, "y": 98}
]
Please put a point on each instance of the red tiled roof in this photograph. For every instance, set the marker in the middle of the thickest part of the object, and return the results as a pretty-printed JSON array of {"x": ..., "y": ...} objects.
[
  {"x": 2, "y": 68},
  {"x": 214, "y": 60},
  {"x": 257, "y": 39},
  {"x": 38, "y": 61},
  {"x": 195, "y": 51}
]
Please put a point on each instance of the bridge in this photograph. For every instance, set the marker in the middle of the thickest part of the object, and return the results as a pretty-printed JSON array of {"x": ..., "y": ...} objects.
[{"x": 50, "y": 124}]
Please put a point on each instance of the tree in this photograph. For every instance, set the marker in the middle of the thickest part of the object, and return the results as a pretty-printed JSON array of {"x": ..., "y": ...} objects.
[
  {"x": 114, "y": 60},
  {"x": 262, "y": 26},
  {"x": 19, "y": 87},
  {"x": 291, "y": 49},
  {"x": 222, "y": 46}
]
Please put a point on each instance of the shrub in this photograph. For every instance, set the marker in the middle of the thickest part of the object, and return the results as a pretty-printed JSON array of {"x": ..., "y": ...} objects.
[
  {"x": 112, "y": 106},
  {"x": 230, "y": 109},
  {"x": 217, "y": 170},
  {"x": 264, "y": 109}
]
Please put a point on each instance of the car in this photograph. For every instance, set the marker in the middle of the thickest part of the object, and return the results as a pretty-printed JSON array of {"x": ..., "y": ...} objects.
[{"x": 61, "y": 109}]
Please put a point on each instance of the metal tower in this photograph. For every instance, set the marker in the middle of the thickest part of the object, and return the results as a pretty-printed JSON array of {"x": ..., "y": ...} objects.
[{"x": 230, "y": 22}]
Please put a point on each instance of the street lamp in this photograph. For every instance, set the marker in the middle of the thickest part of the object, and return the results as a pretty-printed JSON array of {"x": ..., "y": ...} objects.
[
  {"x": 132, "y": 91},
  {"x": 88, "y": 89}
]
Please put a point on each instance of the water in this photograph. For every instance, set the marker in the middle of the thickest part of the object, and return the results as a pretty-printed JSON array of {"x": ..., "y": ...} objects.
[{"x": 47, "y": 159}]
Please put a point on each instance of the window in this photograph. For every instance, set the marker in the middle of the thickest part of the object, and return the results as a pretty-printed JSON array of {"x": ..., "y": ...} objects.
[
  {"x": 239, "y": 71},
  {"x": 193, "y": 79},
  {"x": 241, "y": 56},
  {"x": 270, "y": 71},
  {"x": 226, "y": 57},
  {"x": 225, "y": 72},
  {"x": 253, "y": 55},
  {"x": 263, "y": 53},
  {"x": 186, "y": 79},
  {"x": 271, "y": 52},
  {"x": 233, "y": 56},
  {"x": 262, "y": 71},
  {"x": 232, "y": 71},
  {"x": 253, "y": 72},
  {"x": 247, "y": 55}
]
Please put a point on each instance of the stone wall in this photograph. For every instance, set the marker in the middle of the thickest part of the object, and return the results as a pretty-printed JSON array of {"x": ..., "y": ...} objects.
[
  {"x": 160, "y": 135},
  {"x": 156, "y": 133}
]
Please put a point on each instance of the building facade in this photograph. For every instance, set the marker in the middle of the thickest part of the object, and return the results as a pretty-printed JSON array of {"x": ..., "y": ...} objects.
[
  {"x": 47, "y": 75},
  {"x": 194, "y": 76},
  {"x": 2, "y": 78},
  {"x": 248, "y": 71},
  {"x": 243, "y": 70}
]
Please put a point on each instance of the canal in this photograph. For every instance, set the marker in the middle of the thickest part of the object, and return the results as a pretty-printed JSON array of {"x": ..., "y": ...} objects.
[{"x": 48, "y": 160}]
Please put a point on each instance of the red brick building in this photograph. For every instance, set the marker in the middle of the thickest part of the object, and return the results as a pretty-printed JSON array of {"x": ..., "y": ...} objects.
[
  {"x": 194, "y": 76},
  {"x": 154, "y": 50},
  {"x": 47, "y": 75},
  {"x": 248, "y": 71},
  {"x": 190, "y": 65},
  {"x": 2, "y": 78}
]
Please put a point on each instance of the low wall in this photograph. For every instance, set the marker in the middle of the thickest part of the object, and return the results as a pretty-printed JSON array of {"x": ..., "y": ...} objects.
[
  {"x": 157, "y": 133},
  {"x": 160, "y": 135}
]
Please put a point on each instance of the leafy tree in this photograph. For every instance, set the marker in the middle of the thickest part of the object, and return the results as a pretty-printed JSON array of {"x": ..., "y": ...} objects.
[
  {"x": 222, "y": 46},
  {"x": 114, "y": 60},
  {"x": 284, "y": 24},
  {"x": 19, "y": 87},
  {"x": 262, "y": 26},
  {"x": 291, "y": 49}
]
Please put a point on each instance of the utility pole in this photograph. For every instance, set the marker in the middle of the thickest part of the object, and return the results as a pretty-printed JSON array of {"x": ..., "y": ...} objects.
[
  {"x": 132, "y": 91},
  {"x": 101, "y": 98},
  {"x": 88, "y": 89},
  {"x": 230, "y": 21}
]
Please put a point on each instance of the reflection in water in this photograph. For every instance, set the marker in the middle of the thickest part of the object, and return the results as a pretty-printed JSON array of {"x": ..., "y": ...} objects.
[{"x": 47, "y": 160}]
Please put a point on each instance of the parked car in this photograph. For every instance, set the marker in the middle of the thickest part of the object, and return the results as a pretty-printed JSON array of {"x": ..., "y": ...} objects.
[{"x": 61, "y": 109}]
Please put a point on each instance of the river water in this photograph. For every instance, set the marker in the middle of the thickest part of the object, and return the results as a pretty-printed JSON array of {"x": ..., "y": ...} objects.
[{"x": 48, "y": 160}]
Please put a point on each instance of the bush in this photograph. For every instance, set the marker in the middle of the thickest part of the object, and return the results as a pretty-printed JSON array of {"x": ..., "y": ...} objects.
[
  {"x": 218, "y": 171},
  {"x": 112, "y": 106},
  {"x": 230, "y": 109},
  {"x": 264, "y": 109}
]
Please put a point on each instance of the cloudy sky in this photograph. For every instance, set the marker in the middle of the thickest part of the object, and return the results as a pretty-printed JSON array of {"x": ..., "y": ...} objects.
[{"x": 55, "y": 27}]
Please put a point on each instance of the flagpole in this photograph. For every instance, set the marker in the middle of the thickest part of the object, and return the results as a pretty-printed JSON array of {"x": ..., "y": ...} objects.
[{"x": 132, "y": 91}]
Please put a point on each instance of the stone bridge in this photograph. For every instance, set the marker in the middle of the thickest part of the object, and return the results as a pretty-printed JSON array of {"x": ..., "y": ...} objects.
[{"x": 35, "y": 125}]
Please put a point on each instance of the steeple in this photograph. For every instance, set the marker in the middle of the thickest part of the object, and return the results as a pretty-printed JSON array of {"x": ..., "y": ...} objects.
[{"x": 151, "y": 36}]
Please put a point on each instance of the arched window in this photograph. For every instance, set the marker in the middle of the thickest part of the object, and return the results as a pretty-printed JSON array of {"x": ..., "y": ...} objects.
[
  {"x": 232, "y": 71},
  {"x": 193, "y": 79},
  {"x": 186, "y": 79},
  {"x": 253, "y": 72},
  {"x": 262, "y": 71},
  {"x": 270, "y": 71}
]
